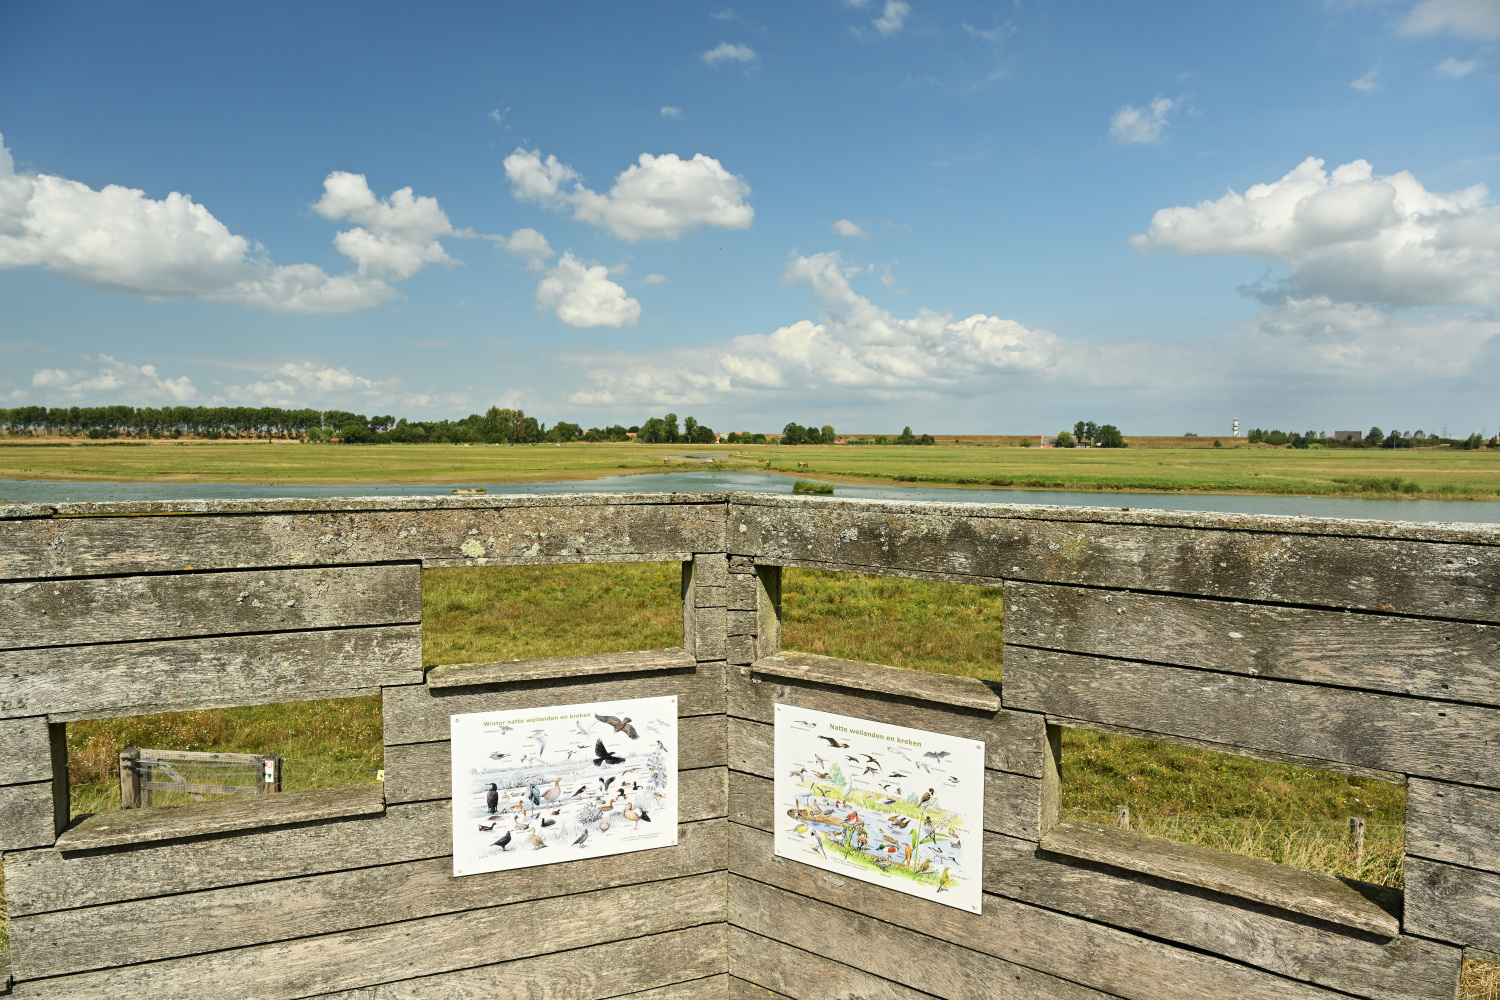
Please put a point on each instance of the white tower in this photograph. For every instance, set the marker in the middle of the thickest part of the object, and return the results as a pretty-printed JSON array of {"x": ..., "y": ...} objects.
[{"x": 1235, "y": 428}]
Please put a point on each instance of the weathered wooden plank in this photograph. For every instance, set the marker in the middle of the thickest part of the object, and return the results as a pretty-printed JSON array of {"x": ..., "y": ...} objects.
[
  {"x": 1013, "y": 741},
  {"x": 743, "y": 591},
  {"x": 478, "y": 531},
  {"x": 26, "y": 816},
  {"x": 1013, "y": 804},
  {"x": 182, "y": 605},
  {"x": 38, "y": 881},
  {"x": 775, "y": 971},
  {"x": 202, "y": 922},
  {"x": 1288, "y": 560},
  {"x": 1457, "y": 823},
  {"x": 1310, "y": 893},
  {"x": 24, "y": 751},
  {"x": 1022, "y": 936},
  {"x": 1449, "y": 903},
  {"x": 200, "y": 819},
  {"x": 598, "y": 665},
  {"x": 84, "y": 682},
  {"x": 597, "y": 972},
  {"x": 1406, "y": 968},
  {"x": 808, "y": 668},
  {"x": 928, "y": 960},
  {"x": 349, "y": 959},
  {"x": 1378, "y": 652},
  {"x": 419, "y": 714},
  {"x": 418, "y": 771},
  {"x": 1410, "y": 735}
]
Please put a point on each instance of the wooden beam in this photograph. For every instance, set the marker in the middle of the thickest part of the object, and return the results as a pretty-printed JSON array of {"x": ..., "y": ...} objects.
[
  {"x": 1374, "y": 652},
  {"x": 141, "y": 678},
  {"x": 26, "y": 816},
  {"x": 461, "y": 675},
  {"x": 942, "y": 689},
  {"x": 1450, "y": 903},
  {"x": 1409, "y": 735},
  {"x": 24, "y": 750},
  {"x": 1456, "y": 823},
  {"x": 771, "y": 970}
]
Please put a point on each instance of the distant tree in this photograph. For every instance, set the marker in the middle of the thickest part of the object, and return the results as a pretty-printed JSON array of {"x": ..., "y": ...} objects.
[
  {"x": 1109, "y": 436},
  {"x": 1374, "y": 438},
  {"x": 1064, "y": 439},
  {"x": 563, "y": 432},
  {"x": 670, "y": 423},
  {"x": 828, "y": 435},
  {"x": 689, "y": 425},
  {"x": 1080, "y": 432},
  {"x": 906, "y": 437},
  {"x": 793, "y": 433},
  {"x": 1475, "y": 440},
  {"x": 653, "y": 431}
]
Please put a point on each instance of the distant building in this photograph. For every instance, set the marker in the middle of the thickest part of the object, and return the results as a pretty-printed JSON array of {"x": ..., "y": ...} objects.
[
  {"x": 1348, "y": 435},
  {"x": 630, "y": 434},
  {"x": 1234, "y": 428}
]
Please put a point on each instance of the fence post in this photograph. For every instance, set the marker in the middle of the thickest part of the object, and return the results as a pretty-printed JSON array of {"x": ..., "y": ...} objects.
[
  {"x": 130, "y": 779},
  {"x": 1122, "y": 817},
  {"x": 1357, "y": 831}
]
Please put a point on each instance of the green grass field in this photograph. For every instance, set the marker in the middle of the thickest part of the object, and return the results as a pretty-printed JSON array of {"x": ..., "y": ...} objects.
[
  {"x": 1437, "y": 473},
  {"x": 1286, "y": 814}
]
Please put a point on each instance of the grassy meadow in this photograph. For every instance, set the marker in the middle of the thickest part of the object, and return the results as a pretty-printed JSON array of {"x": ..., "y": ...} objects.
[
  {"x": 1285, "y": 814},
  {"x": 1172, "y": 465}
]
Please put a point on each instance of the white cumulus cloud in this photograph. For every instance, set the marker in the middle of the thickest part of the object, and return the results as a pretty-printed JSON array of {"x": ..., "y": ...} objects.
[
  {"x": 1351, "y": 235},
  {"x": 892, "y": 18},
  {"x": 654, "y": 279},
  {"x": 529, "y": 245},
  {"x": 1366, "y": 83},
  {"x": 580, "y": 294},
  {"x": 844, "y": 227},
  {"x": 726, "y": 52},
  {"x": 116, "y": 380},
  {"x": 659, "y": 197},
  {"x": 1456, "y": 68},
  {"x": 1141, "y": 126},
  {"x": 1468, "y": 18},
  {"x": 669, "y": 111},
  {"x": 118, "y": 239}
]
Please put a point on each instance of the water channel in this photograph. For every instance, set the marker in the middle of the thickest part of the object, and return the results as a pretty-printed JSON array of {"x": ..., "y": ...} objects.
[{"x": 1467, "y": 511}]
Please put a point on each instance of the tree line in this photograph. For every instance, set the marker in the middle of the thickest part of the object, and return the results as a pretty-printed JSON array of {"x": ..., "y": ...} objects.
[
  {"x": 1374, "y": 438},
  {"x": 1087, "y": 434}
]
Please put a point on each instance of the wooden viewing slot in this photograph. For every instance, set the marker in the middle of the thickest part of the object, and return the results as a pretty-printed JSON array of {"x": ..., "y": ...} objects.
[{"x": 137, "y": 764}]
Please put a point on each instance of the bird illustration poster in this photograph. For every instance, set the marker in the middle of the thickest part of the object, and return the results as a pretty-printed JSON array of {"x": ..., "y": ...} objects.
[
  {"x": 902, "y": 808},
  {"x": 536, "y": 786}
]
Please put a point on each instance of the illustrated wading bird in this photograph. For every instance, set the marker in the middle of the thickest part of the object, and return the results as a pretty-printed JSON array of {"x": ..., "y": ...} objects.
[
  {"x": 636, "y": 814},
  {"x": 503, "y": 841},
  {"x": 834, "y": 744},
  {"x": 581, "y": 790},
  {"x": 619, "y": 725},
  {"x": 603, "y": 756},
  {"x": 492, "y": 797}
]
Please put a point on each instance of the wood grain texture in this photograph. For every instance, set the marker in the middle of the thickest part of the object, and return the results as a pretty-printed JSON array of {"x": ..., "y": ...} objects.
[
  {"x": 1013, "y": 804},
  {"x": 203, "y": 922},
  {"x": 369, "y": 956},
  {"x": 743, "y": 591},
  {"x": 1013, "y": 741},
  {"x": 418, "y": 771},
  {"x": 24, "y": 750},
  {"x": 200, "y": 819},
  {"x": 1259, "y": 558},
  {"x": 1449, "y": 903},
  {"x": 1457, "y": 823},
  {"x": 419, "y": 714},
  {"x": 558, "y": 667},
  {"x": 1409, "y": 735},
  {"x": 598, "y": 972},
  {"x": 1377, "y": 652},
  {"x": 39, "y": 881},
  {"x": 1023, "y": 937},
  {"x": 136, "y": 678},
  {"x": 184, "y": 605},
  {"x": 456, "y": 531},
  {"x": 1312, "y": 894},
  {"x": 1406, "y": 968},
  {"x": 772, "y": 970},
  {"x": 26, "y": 816},
  {"x": 807, "y": 668}
]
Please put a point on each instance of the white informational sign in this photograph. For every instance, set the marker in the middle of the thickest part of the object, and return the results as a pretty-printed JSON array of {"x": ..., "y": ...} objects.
[
  {"x": 536, "y": 786},
  {"x": 902, "y": 808}
]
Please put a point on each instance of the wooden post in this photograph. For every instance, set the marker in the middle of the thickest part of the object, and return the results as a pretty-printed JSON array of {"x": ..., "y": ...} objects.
[
  {"x": 130, "y": 779},
  {"x": 1122, "y": 817},
  {"x": 269, "y": 778},
  {"x": 1357, "y": 831}
]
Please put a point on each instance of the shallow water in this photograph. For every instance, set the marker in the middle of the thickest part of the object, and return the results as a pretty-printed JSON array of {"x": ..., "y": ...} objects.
[{"x": 1468, "y": 511}]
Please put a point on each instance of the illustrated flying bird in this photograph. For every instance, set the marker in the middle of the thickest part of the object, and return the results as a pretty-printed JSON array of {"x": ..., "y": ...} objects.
[
  {"x": 804, "y": 724},
  {"x": 497, "y": 755},
  {"x": 952, "y": 779},
  {"x": 937, "y": 755},
  {"x": 869, "y": 768},
  {"x": 604, "y": 785},
  {"x": 620, "y": 725},
  {"x": 581, "y": 727},
  {"x": 852, "y": 760},
  {"x": 872, "y": 760},
  {"x": 492, "y": 798},
  {"x": 603, "y": 756},
  {"x": 581, "y": 838},
  {"x": 661, "y": 746},
  {"x": 835, "y": 744},
  {"x": 897, "y": 774},
  {"x": 503, "y": 841},
  {"x": 540, "y": 736}
]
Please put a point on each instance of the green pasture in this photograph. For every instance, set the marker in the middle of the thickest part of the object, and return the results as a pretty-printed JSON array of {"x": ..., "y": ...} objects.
[{"x": 1429, "y": 473}]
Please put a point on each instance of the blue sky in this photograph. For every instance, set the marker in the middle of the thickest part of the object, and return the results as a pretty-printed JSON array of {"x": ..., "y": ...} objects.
[{"x": 963, "y": 217}]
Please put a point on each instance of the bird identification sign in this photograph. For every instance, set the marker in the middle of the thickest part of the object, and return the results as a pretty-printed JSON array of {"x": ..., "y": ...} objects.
[
  {"x": 902, "y": 808},
  {"x": 535, "y": 786}
]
